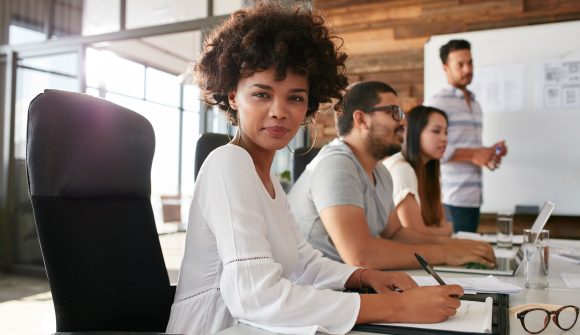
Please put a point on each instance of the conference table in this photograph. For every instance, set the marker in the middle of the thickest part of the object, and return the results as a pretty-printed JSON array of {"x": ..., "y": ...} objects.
[{"x": 557, "y": 293}]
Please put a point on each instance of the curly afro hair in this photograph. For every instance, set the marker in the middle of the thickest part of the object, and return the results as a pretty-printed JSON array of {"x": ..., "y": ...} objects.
[{"x": 269, "y": 35}]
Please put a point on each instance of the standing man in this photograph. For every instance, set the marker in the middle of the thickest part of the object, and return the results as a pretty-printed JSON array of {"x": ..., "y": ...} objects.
[
  {"x": 343, "y": 201},
  {"x": 462, "y": 163}
]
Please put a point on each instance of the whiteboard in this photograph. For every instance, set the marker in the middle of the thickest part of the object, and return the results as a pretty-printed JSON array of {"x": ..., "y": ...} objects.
[{"x": 527, "y": 80}]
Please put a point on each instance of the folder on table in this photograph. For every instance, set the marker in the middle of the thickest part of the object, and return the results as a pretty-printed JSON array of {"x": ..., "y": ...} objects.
[{"x": 499, "y": 323}]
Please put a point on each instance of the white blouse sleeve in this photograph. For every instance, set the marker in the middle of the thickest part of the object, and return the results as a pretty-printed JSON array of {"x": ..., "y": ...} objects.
[
  {"x": 404, "y": 181},
  {"x": 252, "y": 285},
  {"x": 315, "y": 269}
]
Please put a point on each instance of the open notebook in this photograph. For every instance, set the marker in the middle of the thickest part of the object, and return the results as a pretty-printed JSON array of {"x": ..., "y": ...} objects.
[{"x": 471, "y": 317}]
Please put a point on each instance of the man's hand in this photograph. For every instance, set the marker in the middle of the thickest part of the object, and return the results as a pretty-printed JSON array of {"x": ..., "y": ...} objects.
[
  {"x": 483, "y": 157},
  {"x": 499, "y": 150},
  {"x": 460, "y": 252}
]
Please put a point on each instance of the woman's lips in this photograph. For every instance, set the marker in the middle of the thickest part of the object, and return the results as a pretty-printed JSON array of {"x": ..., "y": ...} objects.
[{"x": 276, "y": 131}]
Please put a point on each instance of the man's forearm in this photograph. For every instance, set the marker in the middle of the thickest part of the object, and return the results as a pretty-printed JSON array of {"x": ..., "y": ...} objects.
[
  {"x": 386, "y": 254},
  {"x": 412, "y": 236},
  {"x": 462, "y": 155}
]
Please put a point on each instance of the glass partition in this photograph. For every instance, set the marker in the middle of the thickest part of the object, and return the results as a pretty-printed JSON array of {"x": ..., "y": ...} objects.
[
  {"x": 156, "y": 12},
  {"x": 223, "y": 7},
  {"x": 171, "y": 107},
  {"x": 21, "y": 35},
  {"x": 33, "y": 75},
  {"x": 101, "y": 16}
]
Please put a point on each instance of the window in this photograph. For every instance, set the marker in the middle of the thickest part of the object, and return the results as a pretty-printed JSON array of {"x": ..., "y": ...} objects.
[
  {"x": 162, "y": 87},
  {"x": 101, "y": 16},
  {"x": 156, "y": 12},
  {"x": 34, "y": 75},
  {"x": 223, "y": 7},
  {"x": 21, "y": 35},
  {"x": 155, "y": 94}
]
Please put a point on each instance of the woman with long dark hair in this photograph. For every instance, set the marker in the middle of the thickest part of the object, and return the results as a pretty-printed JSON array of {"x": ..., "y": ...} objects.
[{"x": 415, "y": 172}]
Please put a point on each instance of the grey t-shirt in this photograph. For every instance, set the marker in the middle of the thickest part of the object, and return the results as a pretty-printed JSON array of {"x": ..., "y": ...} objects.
[{"x": 335, "y": 177}]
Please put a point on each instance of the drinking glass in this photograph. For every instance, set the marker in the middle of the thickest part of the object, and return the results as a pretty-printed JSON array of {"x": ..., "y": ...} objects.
[
  {"x": 504, "y": 230},
  {"x": 537, "y": 256}
]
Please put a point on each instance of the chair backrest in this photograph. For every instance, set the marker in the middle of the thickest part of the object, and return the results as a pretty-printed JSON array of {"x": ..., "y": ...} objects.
[
  {"x": 89, "y": 174},
  {"x": 206, "y": 143},
  {"x": 301, "y": 158}
]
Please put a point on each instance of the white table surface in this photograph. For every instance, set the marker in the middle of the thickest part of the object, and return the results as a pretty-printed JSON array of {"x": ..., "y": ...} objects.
[{"x": 556, "y": 293}]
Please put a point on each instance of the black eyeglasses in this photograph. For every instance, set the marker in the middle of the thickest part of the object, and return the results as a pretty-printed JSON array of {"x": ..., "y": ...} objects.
[
  {"x": 536, "y": 319},
  {"x": 395, "y": 111}
]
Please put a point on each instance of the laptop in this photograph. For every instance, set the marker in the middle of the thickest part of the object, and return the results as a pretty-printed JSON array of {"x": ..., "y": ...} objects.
[{"x": 508, "y": 260}]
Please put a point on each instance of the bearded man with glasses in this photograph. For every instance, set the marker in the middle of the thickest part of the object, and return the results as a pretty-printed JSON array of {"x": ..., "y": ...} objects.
[{"x": 343, "y": 201}]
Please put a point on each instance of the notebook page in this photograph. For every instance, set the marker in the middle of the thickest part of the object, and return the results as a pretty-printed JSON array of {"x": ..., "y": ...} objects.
[
  {"x": 472, "y": 316},
  {"x": 489, "y": 284}
]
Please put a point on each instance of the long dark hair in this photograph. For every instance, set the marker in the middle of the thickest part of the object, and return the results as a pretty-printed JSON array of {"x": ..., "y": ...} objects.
[{"x": 427, "y": 172}]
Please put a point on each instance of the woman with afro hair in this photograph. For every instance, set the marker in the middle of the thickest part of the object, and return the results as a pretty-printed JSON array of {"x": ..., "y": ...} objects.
[{"x": 269, "y": 68}]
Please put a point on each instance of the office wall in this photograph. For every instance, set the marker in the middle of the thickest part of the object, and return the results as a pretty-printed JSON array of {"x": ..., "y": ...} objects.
[{"x": 385, "y": 38}]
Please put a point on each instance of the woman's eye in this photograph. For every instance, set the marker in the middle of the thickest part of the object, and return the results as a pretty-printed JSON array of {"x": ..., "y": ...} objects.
[
  {"x": 260, "y": 95},
  {"x": 297, "y": 98}
]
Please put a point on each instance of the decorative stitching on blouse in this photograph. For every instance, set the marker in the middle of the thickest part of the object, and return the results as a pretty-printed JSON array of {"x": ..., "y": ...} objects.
[
  {"x": 246, "y": 259},
  {"x": 199, "y": 293}
]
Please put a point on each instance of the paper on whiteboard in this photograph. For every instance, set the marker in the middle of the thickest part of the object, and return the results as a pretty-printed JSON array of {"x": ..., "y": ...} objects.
[
  {"x": 560, "y": 82},
  {"x": 500, "y": 88}
]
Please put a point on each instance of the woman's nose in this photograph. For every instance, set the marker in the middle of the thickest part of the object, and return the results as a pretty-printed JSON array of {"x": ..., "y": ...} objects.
[{"x": 278, "y": 109}]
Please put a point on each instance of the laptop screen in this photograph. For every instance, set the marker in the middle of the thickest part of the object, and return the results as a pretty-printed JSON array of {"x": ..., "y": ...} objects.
[{"x": 543, "y": 216}]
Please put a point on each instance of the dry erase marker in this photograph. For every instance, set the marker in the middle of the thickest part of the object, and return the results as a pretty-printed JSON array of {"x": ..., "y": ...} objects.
[{"x": 432, "y": 272}]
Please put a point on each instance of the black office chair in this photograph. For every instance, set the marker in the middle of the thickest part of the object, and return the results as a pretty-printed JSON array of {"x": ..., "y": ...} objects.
[
  {"x": 206, "y": 143},
  {"x": 301, "y": 158},
  {"x": 89, "y": 167}
]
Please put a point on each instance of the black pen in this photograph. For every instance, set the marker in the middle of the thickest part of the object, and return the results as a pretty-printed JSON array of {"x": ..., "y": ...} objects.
[
  {"x": 432, "y": 272},
  {"x": 429, "y": 269}
]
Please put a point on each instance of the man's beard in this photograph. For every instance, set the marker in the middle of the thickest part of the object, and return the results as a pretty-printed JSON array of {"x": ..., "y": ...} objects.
[{"x": 378, "y": 149}]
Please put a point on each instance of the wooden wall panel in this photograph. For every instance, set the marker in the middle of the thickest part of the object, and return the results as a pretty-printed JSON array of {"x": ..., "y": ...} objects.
[
  {"x": 377, "y": 41},
  {"x": 385, "y": 38}
]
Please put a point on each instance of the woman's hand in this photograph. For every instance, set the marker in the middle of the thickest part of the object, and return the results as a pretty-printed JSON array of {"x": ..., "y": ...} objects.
[
  {"x": 426, "y": 304},
  {"x": 382, "y": 281}
]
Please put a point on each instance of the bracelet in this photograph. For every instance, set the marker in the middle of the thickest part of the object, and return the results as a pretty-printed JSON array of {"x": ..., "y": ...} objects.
[{"x": 360, "y": 286}]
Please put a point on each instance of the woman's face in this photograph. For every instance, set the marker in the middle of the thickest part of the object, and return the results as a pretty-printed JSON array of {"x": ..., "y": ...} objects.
[
  {"x": 434, "y": 138},
  {"x": 269, "y": 111}
]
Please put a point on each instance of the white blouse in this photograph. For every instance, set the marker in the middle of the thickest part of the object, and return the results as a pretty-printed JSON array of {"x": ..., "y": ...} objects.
[
  {"x": 246, "y": 260},
  {"x": 404, "y": 178}
]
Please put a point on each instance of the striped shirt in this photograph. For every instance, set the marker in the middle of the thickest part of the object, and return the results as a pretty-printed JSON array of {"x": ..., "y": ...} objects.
[{"x": 460, "y": 181}]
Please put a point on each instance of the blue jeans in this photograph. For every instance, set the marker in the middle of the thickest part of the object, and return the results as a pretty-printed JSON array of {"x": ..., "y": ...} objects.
[{"x": 463, "y": 218}]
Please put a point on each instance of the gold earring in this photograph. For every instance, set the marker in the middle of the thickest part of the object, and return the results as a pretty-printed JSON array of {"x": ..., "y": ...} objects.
[{"x": 313, "y": 142}]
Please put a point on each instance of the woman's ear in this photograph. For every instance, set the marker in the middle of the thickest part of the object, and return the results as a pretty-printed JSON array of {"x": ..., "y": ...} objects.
[{"x": 232, "y": 99}]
